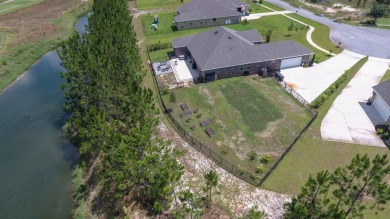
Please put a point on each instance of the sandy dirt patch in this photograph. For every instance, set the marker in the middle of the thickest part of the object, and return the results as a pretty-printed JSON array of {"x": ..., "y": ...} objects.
[{"x": 235, "y": 194}]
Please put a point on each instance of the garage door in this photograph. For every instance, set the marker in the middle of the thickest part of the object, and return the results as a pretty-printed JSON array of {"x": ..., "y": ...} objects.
[
  {"x": 289, "y": 63},
  {"x": 381, "y": 108}
]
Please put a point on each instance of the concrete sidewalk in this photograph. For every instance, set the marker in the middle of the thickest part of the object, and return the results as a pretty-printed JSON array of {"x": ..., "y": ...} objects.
[
  {"x": 349, "y": 119},
  {"x": 259, "y": 15},
  {"x": 312, "y": 81}
]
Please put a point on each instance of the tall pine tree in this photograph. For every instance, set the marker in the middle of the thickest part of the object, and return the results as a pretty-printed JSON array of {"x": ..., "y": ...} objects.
[{"x": 113, "y": 116}]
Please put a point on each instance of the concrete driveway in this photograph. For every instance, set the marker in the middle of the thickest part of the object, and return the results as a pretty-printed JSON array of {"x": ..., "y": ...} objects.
[
  {"x": 349, "y": 118},
  {"x": 259, "y": 15},
  {"x": 311, "y": 82},
  {"x": 364, "y": 40}
]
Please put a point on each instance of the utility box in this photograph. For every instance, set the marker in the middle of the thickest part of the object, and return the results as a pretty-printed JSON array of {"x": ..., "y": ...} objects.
[
  {"x": 279, "y": 76},
  {"x": 264, "y": 72}
]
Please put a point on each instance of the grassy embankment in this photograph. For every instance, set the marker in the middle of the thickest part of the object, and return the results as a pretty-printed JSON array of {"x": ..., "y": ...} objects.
[
  {"x": 15, "y": 5},
  {"x": 16, "y": 57},
  {"x": 312, "y": 154}
]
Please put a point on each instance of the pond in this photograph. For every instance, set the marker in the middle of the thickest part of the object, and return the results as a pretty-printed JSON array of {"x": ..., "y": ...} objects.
[{"x": 36, "y": 160}]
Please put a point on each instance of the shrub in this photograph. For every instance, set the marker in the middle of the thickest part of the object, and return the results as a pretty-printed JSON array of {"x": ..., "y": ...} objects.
[
  {"x": 259, "y": 169},
  {"x": 4, "y": 62},
  {"x": 172, "y": 97},
  {"x": 252, "y": 156},
  {"x": 158, "y": 46},
  {"x": 245, "y": 21},
  {"x": 331, "y": 89},
  {"x": 265, "y": 159}
]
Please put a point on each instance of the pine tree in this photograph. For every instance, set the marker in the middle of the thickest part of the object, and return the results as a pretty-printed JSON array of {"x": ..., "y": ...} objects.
[
  {"x": 113, "y": 115},
  {"x": 340, "y": 195},
  {"x": 211, "y": 178}
]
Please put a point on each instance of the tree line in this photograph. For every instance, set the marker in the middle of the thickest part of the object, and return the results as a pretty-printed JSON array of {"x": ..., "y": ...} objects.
[{"x": 114, "y": 117}]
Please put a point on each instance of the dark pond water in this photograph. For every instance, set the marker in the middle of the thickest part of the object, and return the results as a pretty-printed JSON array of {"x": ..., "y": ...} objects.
[{"x": 36, "y": 160}]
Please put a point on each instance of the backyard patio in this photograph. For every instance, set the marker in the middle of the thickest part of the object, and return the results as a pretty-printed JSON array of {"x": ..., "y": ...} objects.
[{"x": 182, "y": 68}]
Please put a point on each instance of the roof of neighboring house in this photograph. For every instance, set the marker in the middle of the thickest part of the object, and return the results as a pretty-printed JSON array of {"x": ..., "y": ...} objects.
[
  {"x": 383, "y": 90},
  {"x": 223, "y": 47},
  {"x": 207, "y": 9}
]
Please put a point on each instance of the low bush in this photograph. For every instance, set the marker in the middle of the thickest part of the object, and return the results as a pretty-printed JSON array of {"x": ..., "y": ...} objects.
[
  {"x": 259, "y": 169},
  {"x": 328, "y": 92},
  {"x": 158, "y": 46},
  {"x": 265, "y": 159},
  {"x": 245, "y": 21},
  {"x": 252, "y": 156}
]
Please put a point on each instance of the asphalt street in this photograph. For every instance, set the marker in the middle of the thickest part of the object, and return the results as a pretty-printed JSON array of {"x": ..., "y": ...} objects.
[{"x": 363, "y": 40}]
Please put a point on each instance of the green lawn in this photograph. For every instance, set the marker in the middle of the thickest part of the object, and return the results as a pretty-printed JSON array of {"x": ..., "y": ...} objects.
[
  {"x": 278, "y": 23},
  {"x": 16, "y": 4},
  {"x": 160, "y": 55},
  {"x": 248, "y": 114},
  {"x": 256, "y": 8},
  {"x": 274, "y": 7},
  {"x": 386, "y": 76},
  {"x": 164, "y": 26},
  {"x": 383, "y": 21},
  {"x": 311, "y": 154},
  {"x": 320, "y": 35},
  {"x": 153, "y": 4}
]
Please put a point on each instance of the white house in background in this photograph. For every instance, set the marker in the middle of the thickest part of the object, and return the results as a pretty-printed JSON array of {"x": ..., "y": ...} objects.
[{"x": 380, "y": 100}]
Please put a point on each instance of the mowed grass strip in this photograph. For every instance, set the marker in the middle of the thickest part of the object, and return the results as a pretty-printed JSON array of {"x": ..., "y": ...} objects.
[
  {"x": 320, "y": 35},
  {"x": 153, "y": 4},
  {"x": 15, "y": 5},
  {"x": 274, "y": 7},
  {"x": 256, "y": 111},
  {"x": 248, "y": 114},
  {"x": 386, "y": 76}
]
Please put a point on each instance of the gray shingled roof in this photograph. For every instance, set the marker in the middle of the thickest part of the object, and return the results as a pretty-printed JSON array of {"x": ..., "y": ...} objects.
[
  {"x": 207, "y": 9},
  {"x": 383, "y": 90},
  {"x": 223, "y": 47},
  {"x": 251, "y": 35},
  {"x": 181, "y": 41}
]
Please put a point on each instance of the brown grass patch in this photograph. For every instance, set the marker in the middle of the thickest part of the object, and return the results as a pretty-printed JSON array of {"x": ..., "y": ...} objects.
[{"x": 34, "y": 23}]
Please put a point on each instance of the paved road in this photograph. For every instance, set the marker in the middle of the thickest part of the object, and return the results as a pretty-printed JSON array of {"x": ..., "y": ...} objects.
[
  {"x": 363, "y": 40},
  {"x": 350, "y": 119}
]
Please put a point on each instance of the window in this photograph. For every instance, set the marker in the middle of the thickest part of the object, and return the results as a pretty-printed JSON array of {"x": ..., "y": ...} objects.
[
  {"x": 190, "y": 23},
  {"x": 205, "y": 21},
  {"x": 228, "y": 21},
  {"x": 214, "y": 19},
  {"x": 201, "y": 22},
  {"x": 241, "y": 69},
  {"x": 249, "y": 67}
]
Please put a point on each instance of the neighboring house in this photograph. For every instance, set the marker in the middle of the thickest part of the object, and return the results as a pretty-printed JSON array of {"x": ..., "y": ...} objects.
[
  {"x": 223, "y": 52},
  {"x": 206, "y": 13},
  {"x": 380, "y": 100}
]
